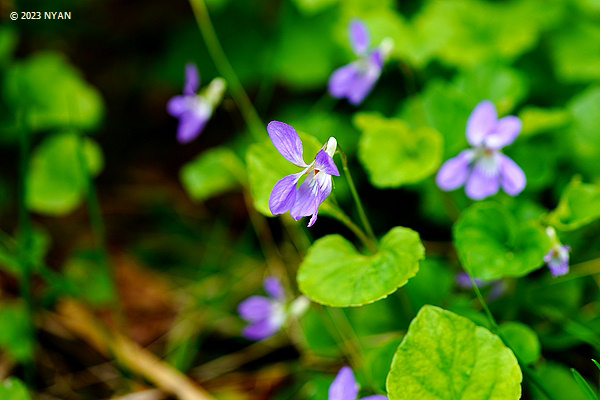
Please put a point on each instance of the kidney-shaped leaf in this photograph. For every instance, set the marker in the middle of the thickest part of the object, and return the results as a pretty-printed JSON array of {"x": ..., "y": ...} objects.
[
  {"x": 335, "y": 274},
  {"x": 579, "y": 205},
  {"x": 491, "y": 244},
  {"x": 445, "y": 356},
  {"x": 394, "y": 154}
]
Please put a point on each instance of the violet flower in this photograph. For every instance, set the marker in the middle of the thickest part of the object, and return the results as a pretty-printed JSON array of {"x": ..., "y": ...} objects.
[
  {"x": 304, "y": 200},
  {"x": 194, "y": 110},
  {"x": 345, "y": 387},
  {"x": 356, "y": 80},
  {"x": 267, "y": 315},
  {"x": 497, "y": 290},
  {"x": 558, "y": 256},
  {"x": 484, "y": 168}
]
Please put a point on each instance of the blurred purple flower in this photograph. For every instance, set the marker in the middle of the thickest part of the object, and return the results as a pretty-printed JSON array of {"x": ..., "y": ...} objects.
[
  {"x": 558, "y": 260},
  {"x": 484, "y": 168},
  {"x": 345, "y": 387},
  {"x": 306, "y": 199},
  {"x": 194, "y": 110},
  {"x": 356, "y": 80},
  {"x": 498, "y": 286},
  {"x": 267, "y": 315}
]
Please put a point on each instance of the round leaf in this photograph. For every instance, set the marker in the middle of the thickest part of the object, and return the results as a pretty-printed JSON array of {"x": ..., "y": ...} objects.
[
  {"x": 393, "y": 154},
  {"x": 445, "y": 356},
  {"x": 491, "y": 245},
  {"x": 522, "y": 340},
  {"x": 335, "y": 274}
]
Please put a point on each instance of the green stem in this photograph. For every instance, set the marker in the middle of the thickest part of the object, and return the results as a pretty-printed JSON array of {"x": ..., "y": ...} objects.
[
  {"x": 25, "y": 240},
  {"x": 531, "y": 375},
  {"x": 349, "y": 338},
  {"x": 338, "y": 214},
  {"x": 359, "y": 206},
  {"x": 250, "y": 115}
]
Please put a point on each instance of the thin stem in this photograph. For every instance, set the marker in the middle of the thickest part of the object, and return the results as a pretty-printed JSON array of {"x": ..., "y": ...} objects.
[
  {"x": 349, "y": 338},
  {"x": 26, "y": 238},
  {"x": 359, "y": 206},
  {"x": 240, "y": 97},
  {"x": 527, "y": 371},
  {"x": 338, "y": 214}
]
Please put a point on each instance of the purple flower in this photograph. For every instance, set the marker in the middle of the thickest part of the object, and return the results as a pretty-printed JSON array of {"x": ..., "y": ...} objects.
[
  {"x": 267, "y": 315},
  {"x": 286, "y": 195},
  {"x": 558, "y": 260},
  {"x": 194, "y": 110},
  {"x": 356, "y": 80},
  {"x": 498, "y": 286},
  {"x": 345, "y": 387},
  {"x": 484, "y": 169}
]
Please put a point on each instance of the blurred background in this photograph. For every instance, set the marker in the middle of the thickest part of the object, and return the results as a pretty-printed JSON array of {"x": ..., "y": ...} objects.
[{"x": 147, "y": 253}]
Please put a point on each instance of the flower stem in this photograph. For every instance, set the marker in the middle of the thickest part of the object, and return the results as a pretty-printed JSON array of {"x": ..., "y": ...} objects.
[
  {"x": 240, "y": 97},
  {"x": 359, "y": 206},
  {"x": 338, "y": 214},
  {"x": 531, "y": 375}
]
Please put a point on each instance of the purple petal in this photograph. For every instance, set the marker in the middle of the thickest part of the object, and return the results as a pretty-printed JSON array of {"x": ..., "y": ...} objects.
[
  {"x": 287, "y": 142},
  {"x": 481, "y": 121},
  {"x": 377, "y": 58},
  {"x": 376, "y": 397},
  {"x": 260, "y": 330},
  {"x": 192, "y": 79},
  {"x": 481, "y": 184},
  {"x": 344, "y": 386},
  {"x": 342, "y": 80},
  {"x": 507, "y": 130},
  {"x": 283, "y": 195},
  {"x": 307, "y": 199},
  {"x": 190, "y": 126},
  {"x": 274, "y": 288},
  {"x": 359, "y": 36},
  {"x": 497, "y": 290},
  {"x": 512, "y": 176},
  {"x": 454, "y": 173},
  {"x": 464, "y": 280},
  {"x": 324, "y": 162},
  {"x": 255, "y": 308},
  {"x": 177, "y": 106},
  {"x": 363, "y": 84}
]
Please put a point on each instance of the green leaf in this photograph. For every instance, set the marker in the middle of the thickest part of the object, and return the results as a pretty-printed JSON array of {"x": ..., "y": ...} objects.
[
  {"x": 583, "y": 131},
  {"x": 212, "y": 173},
  {"x": 317, "y": 334},
  {"x": 583, "y": 385},
  {"x": 52, "y": 94},
  {"x": 266, "y": 167},
  {"x": 522, "y": 340},
  {"x": 13, "y": 389},
  {"x": 537, "y": 120},
  {"x": 56, "y": 181},
  {"x": 378, "y": 362},
  {"x": 91, "y": 278},
  {"x": 559, "y": 382},
  {"x": 394, "y": 154},
  {"x": 16, "y": 336},
  {"x": 491, "y": 244},
  {"x": 9, "y": 251},
  {"x": 335, "y": 274},
  {"x": 596, "y": 363},
  {"x": 446, "y": 356},
  {"x": 578, "y": 206},
  {"x": 573, "y": 48},
  {"x": 8, "y": 41},
  {"x": 310, "y": 7}
]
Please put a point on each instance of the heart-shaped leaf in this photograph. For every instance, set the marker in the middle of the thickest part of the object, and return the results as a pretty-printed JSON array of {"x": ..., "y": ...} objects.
[
  {"x": 335, "y": 274},
  {"x": 394, "y": 154},
  {"x": 446, "y": 356},
  {"x": 491, "y": 244},
  {"x": 266, "y": 167}
]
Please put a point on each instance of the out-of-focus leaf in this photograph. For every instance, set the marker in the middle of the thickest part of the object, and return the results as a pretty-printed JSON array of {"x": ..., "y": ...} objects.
[
  {"x": 9, "y": 251},
  {"x": 394, "y": 154},
  {"x": 575, "y": 54},
  {"x": 13, "y": 389},
  {"x": 317, "y": 334},
  {"x": 266, "y": 167},
  {"x": 583, "y": 131},
  {"x": 16, "y": 336},
  {"x": 583, "y": 385},
  {"x": 52, "y": 94},
  {"x": 310, "y": 7},
  {"x": 537, "y": 120},
  {"x": 559, "y": 382},
  {"x": 522, "y": 340},
  {"x": 491, "y": 244},
  {"x": 91, "y": 278},
  {"x": 578, "y": 206},
  {"x": 431, "y": 285},
  {"x": 445, "y": 356},
  {"x": 538, "y": 158},
  {"x": 8, "y": 41},
  {"x": 379, "y": 360},
  {"x": 212, "y": 173},
  {"x": 56, "y": 181},
  {"x": 335, "y": 274}
]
